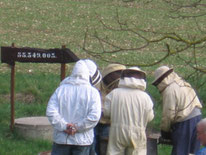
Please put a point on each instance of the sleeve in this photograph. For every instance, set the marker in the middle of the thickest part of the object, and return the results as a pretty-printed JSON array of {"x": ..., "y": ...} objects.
[
  {"x": 169, "y": 109},
  {"x": 93, "y": 115},
  {"x": 107, "y": 106},
  {"x": 52, "y": 112}
]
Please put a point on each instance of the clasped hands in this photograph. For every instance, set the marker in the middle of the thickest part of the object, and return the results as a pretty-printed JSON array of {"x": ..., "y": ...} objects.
[{"x": 71, "y": 129}]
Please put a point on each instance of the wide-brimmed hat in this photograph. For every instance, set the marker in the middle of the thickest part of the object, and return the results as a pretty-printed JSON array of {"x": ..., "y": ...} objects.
[
  {"x": 112, "y": 68},
  {"x": 141, "y": 74},
  {"x": 161, "y": 73}
]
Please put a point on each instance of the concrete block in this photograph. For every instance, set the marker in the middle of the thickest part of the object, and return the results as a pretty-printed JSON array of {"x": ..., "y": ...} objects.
[{"x": 34, "y": 127}]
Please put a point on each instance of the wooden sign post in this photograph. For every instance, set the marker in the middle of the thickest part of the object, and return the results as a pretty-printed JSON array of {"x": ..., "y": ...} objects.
[{"x": 12, "y": 54}]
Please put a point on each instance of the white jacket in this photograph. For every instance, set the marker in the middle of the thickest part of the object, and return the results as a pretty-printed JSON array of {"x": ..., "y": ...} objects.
[
  {"x": 130, "y": 108},
  {"x": 179, "y": 100},
  {"x": 75, "y": 101}
]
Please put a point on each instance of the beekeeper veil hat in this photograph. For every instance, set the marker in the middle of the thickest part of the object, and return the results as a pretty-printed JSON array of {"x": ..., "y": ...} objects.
[
  {"x": 112, "y": 73},
  {"x": 95, "y": 76},
  {"x": 161, "y": 73}
]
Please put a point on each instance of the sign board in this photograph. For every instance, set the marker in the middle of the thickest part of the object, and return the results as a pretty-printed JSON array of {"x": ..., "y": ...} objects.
[
  {"x": 26, "y": 54},
  {"x": 11, "y": 54}
]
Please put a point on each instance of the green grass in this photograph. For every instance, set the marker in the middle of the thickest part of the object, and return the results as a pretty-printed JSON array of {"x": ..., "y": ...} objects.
[
  {"x": 53, "y": 23},
  {"x": 39, "y": 87}
]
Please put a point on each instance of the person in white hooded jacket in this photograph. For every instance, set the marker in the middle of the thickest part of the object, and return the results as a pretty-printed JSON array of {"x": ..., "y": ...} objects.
[
  {"x": 130, "y": 109},
  {"x": 74, "y": 109},
  {"x": 181, "y": 111}
]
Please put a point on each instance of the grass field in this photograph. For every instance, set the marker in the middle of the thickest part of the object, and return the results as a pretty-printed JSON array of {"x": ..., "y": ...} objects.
[{"x": 53, "y": 23}]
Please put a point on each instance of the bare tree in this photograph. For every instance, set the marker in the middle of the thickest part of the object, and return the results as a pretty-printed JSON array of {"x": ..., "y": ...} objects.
[{"x": 126, "y": 41}]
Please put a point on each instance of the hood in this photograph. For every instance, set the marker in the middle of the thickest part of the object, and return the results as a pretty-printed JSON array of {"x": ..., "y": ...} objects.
[
  {"x": 93, "y": 72},
  {"x": 172, "y": 77},
  {"x": 80, "y": 74},
  {"x": 132, "y": 83}
]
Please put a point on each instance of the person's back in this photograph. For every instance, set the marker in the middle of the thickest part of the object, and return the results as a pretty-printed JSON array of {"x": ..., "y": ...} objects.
[
  {"x": 129, "y": 105},
  {"x": 181, "y": 110},
  {"x": 182, "y": 99},
  {"x": 110, "y": 80},
  {"x": 74, "y": 110},
  {"x": 130, "y": 109}
]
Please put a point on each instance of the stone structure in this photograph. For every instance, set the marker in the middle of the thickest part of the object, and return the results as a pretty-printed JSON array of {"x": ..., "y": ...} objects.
[{"x": 34, "y": 127}]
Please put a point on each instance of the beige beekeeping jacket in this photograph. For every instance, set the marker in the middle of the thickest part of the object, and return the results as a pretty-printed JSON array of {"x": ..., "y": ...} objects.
[
  {"x": 179, "y": 100},
  {"x": 129, "y": 108},
  {"x": 104, "y": 91}
]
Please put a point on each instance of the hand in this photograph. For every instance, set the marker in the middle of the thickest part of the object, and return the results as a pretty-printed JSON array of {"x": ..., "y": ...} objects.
[{"x": 71, "y": 129}]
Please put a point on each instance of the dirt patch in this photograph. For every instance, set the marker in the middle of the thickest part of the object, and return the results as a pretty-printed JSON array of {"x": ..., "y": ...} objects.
[
  {"x": 45, "y": 153},
  {"x": 20, "y": 97}
]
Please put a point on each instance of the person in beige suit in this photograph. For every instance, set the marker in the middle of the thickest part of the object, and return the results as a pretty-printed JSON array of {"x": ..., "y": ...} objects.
[
  {"x": 110, "y": 80},
  {"x": 129, "y": 109},
  {"x": 181, "y": 111}
]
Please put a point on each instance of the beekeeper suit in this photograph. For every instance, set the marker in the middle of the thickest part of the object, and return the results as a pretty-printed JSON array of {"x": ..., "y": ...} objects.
[
  {"x": 75, "y": 102},
  {"x": 181, "y": 110},
  {"x": 129, "y": 108},
  {"x": 110, "y": 80}
]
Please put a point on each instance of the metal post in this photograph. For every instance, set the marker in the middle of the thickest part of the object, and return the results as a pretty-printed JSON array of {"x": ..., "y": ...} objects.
[
  {"x": 63, "y": 67},
  {"x": 12, "y": 94}
]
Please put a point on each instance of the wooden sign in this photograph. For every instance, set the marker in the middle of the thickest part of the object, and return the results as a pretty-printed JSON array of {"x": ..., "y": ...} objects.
[{"x": 11, "y": 54}]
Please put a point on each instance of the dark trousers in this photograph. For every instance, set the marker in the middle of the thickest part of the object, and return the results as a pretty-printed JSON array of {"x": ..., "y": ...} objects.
[
  {"x": 101, "y": 131},
  {"x": 59, "y": 149},
  {"x": 184, "y": 137}
]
